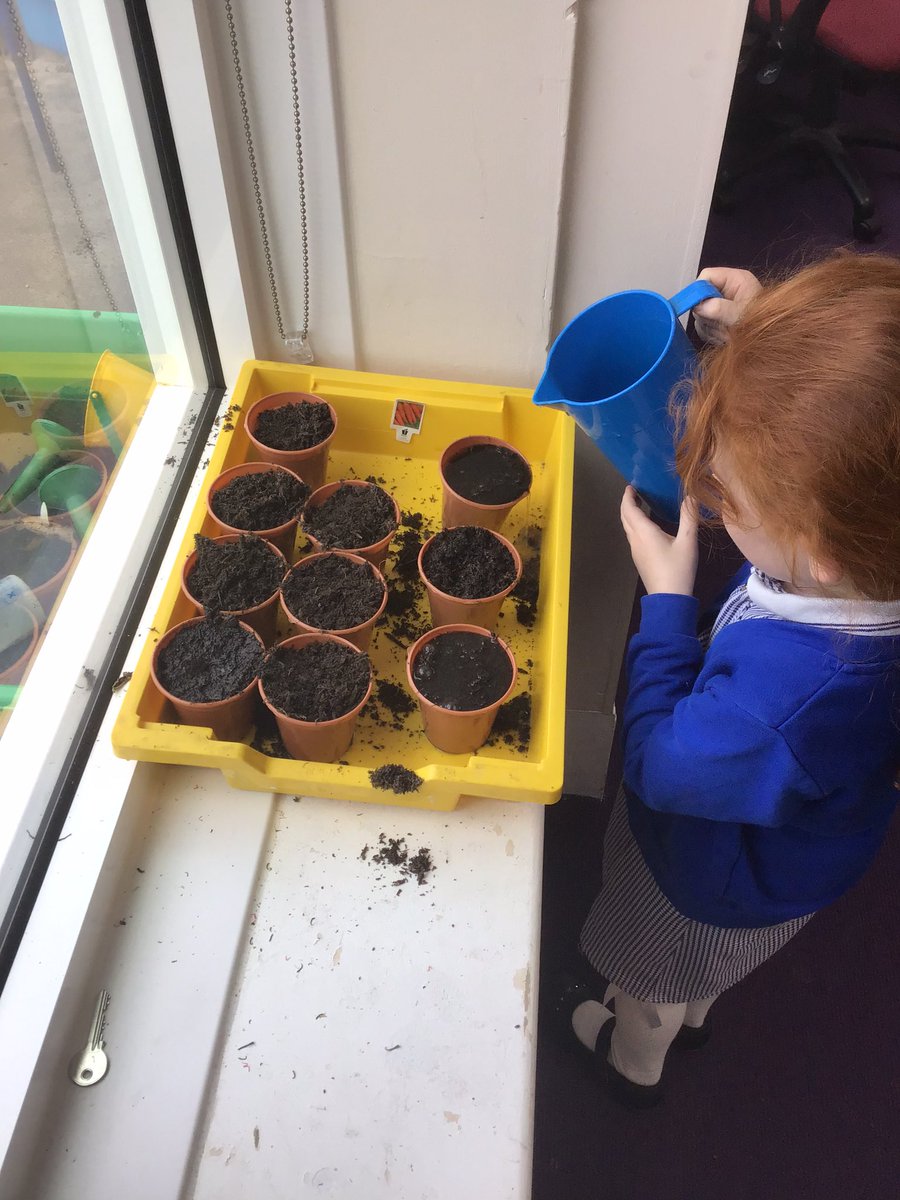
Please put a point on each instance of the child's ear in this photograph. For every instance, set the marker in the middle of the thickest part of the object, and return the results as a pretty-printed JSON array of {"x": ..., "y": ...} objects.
[{"x": 825, "y": 571}]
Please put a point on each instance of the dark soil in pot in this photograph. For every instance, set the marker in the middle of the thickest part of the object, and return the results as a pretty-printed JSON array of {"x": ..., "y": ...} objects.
[
  {"x": 296, "y": 426},
  {"x": 231, "y": 576},
  {"x": 211, "y": 660},
  {"x": 333, "y": 592},
  {"x": 462, "y": 671},
  {"x": 34, "y": 557},
  {"x": 351, "y": 517},
  {"x": 489, "y": 474},
  {"x": 469, "y": 562},
  {"x": 264, "y": 500},
  {"x": 13, "y": 653},
  {"x": 317, "y": 682}
]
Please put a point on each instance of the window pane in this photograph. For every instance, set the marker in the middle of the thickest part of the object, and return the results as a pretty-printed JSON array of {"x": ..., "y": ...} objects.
[{"x": 74, "y": 370}]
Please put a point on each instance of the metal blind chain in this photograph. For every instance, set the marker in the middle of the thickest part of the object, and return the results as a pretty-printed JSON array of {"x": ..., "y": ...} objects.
[
  {"x": 57, "y": 153},
  {"x": 297, "y": 344}
]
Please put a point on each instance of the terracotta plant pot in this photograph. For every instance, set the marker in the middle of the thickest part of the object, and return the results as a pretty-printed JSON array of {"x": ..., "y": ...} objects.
[
  {"x": 377, "y": 552},
  {"x": 310, "y": 464},
  {"x": 229, "y": 719},
  {"x": 452, "y": 730},
  {"x": 14, "y": 672},
  {"x": 316, "y": 741},
  {"x": 262, "y": 617},
  {"x": 456, "y": 509},
  {"x": 283, "y": 536},
  {"x": 358, "y": 635},
  {"x": 46, "y": 591},
  {"x": 454, "y": 610}
]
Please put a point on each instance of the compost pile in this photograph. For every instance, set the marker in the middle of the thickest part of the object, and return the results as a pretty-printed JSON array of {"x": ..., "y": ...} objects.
[
  {"x": 316, "y": 682},
  {"x": 263, "y": 500},
  {"x": 231, "y": 576},
  {"x": 211, "y": 660},
  {"x": 469, "y": 562},
  {"x": 333, "y": 592},
  {"x": 351, "y": 517},
  {"x": 295, "y": 426}
]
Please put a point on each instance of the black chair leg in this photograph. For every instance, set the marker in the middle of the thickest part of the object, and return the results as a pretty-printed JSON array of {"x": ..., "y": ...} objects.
[
  {"x": 829, "y": 144},
  {"x": 859, "y": 135}
]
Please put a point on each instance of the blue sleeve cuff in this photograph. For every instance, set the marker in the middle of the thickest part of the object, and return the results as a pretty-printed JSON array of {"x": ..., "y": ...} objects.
[{"x": 663, "y": 615}]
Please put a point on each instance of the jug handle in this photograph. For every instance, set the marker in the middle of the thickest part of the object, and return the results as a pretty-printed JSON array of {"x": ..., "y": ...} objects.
[{"x": 693, "y": 294}]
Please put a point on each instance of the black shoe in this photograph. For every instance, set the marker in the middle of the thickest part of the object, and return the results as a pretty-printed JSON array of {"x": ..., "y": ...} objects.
[
  {"x": 694, "y": 1037},
  {"x": 623, "y": 1090}
]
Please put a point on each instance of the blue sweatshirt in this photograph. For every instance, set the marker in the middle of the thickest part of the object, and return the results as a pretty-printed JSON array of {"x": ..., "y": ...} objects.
[{"x": 759, "y": 778}]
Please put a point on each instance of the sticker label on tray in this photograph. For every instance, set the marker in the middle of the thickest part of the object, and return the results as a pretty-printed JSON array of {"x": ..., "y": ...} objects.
[
  {"x": 407, "y": 418},
  {"x": 15, "y": 395}
]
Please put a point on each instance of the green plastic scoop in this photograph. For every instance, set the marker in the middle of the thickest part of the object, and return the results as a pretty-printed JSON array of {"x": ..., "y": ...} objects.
[
  {"x": 67, "y": 489},
  {"x": 51, "y": 440},
  {"x": 8, "y": 695}
]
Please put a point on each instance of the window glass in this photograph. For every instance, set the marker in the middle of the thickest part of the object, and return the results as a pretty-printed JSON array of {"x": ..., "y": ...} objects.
[{"x": 74, "y": 371}]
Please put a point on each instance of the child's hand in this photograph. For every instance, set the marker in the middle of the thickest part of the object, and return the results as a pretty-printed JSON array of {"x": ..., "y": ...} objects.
[
  {"x": 665, "y": 564},
  {"x": 713, "y": 318}
]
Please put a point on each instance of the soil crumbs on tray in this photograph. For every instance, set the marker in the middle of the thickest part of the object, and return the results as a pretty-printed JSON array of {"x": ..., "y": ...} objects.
[
  {"x": 405, "y": 622},
  {"x": 393, "y": 777},
  {"x": 527, "y": 591},
  {"x": 333, "y": 592},
  {"x": 394, "y": 705},
  {"x": 264, "y": 500},
  {"x": 393, "y": 852},
  {"x": 351, "y": 517},
  {"x": 462, "y": 671},
  {"x": 319, "y": 682},
  {"x": 469, "y": 562},
  {"x": 34, "y": 557},
  {"x": 230, "y": 576},
  {"x": 513, "y": 724},
  {"x": 298, "y": 425},
  {"x": 489, "y": 474},
  {"x": 211, "y": 660}
]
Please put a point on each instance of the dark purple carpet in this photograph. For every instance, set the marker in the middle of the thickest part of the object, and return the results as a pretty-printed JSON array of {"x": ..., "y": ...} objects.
[{"x": 797, "y": 1097}]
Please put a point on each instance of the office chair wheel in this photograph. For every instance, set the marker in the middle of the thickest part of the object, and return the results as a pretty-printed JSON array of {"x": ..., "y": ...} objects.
[{"x": 865, "y": 230}]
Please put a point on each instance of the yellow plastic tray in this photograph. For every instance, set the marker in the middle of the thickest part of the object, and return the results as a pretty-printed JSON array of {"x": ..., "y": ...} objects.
[{"x": 367, "y": 445}]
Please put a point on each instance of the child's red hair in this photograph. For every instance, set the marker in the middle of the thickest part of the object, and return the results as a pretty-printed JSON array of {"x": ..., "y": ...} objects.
[{"x": 805, "y": 397}]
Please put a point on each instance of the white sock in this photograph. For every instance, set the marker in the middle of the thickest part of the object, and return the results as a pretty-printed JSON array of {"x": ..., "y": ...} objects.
[
  {"x": 642, "y": 1037},
  {"x": 697, "y": 1010},
  {"x": 587, "y": 1021}
]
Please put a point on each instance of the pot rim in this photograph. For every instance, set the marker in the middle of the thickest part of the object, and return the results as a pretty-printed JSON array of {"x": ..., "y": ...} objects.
[
  {"x": 334, "y": 485},
  {"x": 250, "y": 468},
  {"x": 341, "y": 633},
  {"x": 170, "y": 696},
  {"x": 307, "y": 397},
  {"x": 477, "y": 439},
  {"x": 429, "y": 636},
  {"x": 517, "y": 561},
  {"x": 60, "y": 530},
  {"x": 306, "y": 639}
]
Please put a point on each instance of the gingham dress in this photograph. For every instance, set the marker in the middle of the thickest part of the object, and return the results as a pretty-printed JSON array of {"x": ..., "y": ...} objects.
[{"x": 633, "y": 936}]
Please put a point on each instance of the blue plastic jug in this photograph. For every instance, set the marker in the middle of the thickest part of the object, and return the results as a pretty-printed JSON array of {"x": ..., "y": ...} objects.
[{"x": 613, "y": 368}]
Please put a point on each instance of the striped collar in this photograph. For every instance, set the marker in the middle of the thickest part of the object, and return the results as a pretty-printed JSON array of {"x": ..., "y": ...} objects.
[{"x": 871, "y": 618}]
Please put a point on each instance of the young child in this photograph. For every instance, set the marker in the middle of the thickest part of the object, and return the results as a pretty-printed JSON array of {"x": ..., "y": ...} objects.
[{"x": 758, "y": 775}]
